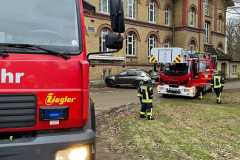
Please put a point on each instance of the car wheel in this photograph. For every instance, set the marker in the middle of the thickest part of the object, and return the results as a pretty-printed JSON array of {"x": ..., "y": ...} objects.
[
  {"x": 166, "y": 96},
  {"x": 136, "y": 84},
  {"x": 110, "y": 83}
]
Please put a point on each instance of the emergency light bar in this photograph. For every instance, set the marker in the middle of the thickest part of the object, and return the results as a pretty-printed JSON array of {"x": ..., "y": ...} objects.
[{"x": 53, "y": 113}]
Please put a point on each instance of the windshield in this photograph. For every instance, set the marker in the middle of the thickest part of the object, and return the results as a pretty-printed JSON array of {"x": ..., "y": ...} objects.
[
  {"x": 176, "y": 69},
  {"x": 51, "y": 23},
  {"x": 144, "y": 74}
]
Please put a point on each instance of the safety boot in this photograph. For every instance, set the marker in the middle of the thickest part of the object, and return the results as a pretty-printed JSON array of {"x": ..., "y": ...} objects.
[
  {"x": 150, "y": 118},
  {"x": 219, "y": 101},
  {"x": 142, "y": 115}
]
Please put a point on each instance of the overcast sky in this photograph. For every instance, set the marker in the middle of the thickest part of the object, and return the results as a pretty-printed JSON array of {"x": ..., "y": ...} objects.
[{"x": 234, "y": 13}]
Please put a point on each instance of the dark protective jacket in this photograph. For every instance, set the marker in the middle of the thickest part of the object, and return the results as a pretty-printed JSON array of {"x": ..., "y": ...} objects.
[
  {"x": 217, "y": 81},
  {"x": 145, "y": 91}
]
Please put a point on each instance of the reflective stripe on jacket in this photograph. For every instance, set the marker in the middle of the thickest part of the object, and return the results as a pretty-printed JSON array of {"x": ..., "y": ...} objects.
[
  {"x": 217, "y": 81},
  {"x": 147, "y": 93},
  {"x": 139, "y": 92}
]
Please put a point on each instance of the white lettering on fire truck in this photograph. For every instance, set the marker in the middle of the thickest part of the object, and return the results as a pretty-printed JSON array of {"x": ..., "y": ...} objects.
[
  {"x": 10, "y": 77},
  {"x": 52, "y": 99}
]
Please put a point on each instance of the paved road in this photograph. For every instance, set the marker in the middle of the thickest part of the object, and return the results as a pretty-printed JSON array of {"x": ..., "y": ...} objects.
[
  {"x": 108, "y": 98},
  {"x": 232, "y": 85}
]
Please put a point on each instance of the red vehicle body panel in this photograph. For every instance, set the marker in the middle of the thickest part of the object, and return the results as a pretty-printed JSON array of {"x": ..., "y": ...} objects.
[
  {"x": 44, "y": 74},
  {"x": 203, "y": 78}
]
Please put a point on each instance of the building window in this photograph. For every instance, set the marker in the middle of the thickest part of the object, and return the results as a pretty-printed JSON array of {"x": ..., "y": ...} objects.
[
  {"x": 151, "y": 43},
  {"x": 168, "y": 17},
  {"x": 220, "y": 46},
  {"x": 131, "y": 9},
  {"x": 104, "y": 6},
  {"x": 151, "y": 11},
  {"x": 220, "y": 23},
  {"x": 102, "y": 40},
  {"x": 234, "y": 68},
  {"x": 131, "y": 44},
  {"x": 192, "y": 17},
  {"x": 193, "y": 45},
  {"x": 206, "y": 7},
  {"x": 207, "y": 32},
  {"x": 166, "y": 43}
]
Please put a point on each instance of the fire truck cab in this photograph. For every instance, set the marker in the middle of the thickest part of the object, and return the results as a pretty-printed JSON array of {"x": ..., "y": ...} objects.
[{"x": 184, "y": 73}]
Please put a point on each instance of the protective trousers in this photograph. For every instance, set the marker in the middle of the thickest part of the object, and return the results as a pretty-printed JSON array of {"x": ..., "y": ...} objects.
[
  {"x": 218, "y": 92},
  {"x": 146, "y": 111}
]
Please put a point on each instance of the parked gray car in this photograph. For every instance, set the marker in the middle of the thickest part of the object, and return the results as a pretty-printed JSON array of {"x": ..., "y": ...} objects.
[{"x": 129, "y": 77}]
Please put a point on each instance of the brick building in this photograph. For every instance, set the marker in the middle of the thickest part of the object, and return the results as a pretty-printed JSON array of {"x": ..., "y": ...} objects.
[{"x": 190, "y": 24}]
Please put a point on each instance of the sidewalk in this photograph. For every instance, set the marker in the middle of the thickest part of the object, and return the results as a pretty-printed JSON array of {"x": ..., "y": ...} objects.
[
  {"x": 97, "y": 84},
  {"x": 232, "y": 85}
]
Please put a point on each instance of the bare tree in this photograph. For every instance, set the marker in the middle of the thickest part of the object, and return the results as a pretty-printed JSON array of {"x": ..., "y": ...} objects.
[{"x": 233, "y": 37}]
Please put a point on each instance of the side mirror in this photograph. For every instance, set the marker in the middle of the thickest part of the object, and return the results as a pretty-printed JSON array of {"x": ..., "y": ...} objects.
[
  {"x": 114, "y": 41},
  {"x": 117, "y": 16}
]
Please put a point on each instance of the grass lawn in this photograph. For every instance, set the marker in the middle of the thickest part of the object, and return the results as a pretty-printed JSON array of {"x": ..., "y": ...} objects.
[{"x": 182, "y": 129}]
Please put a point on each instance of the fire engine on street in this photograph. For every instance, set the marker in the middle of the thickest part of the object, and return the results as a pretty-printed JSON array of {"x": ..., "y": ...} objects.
[{"x": 184, "y": 73}]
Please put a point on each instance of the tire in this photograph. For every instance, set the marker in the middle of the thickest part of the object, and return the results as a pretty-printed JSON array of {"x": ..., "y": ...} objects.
[
  {"x": 166, "y": 96},
  {"x": 93, "y": 116},
  {"x": 91, "y": 124},
  {"x": 110, "y": 83},
  {"x": 136, "y": 84},
  {"x": 198, "y": 92}
]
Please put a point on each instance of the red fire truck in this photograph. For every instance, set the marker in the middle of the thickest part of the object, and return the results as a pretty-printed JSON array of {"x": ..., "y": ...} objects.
[
  {"x": 186, "y": 74},
  {"x": 45, "y": 109}
]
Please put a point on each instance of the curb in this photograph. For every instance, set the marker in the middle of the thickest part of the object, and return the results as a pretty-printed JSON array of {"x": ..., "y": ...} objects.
[{"x": 97, "y": 84}]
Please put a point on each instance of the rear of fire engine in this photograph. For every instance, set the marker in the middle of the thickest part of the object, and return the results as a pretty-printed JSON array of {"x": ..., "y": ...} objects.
[{"x": 45, "y": 111}]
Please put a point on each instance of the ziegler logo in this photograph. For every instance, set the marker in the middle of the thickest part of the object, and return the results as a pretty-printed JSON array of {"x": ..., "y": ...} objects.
[{"x": 52, "y": 99}]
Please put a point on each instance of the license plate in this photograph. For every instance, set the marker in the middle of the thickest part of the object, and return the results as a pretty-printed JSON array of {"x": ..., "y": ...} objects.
[{"x": 173, "y": 90}]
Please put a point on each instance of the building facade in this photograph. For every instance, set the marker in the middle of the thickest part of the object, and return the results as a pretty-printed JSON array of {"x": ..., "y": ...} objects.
[{"x": 190, "y": 24}]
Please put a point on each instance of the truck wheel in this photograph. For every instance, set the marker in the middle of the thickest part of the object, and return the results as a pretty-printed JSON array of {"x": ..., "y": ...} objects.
[
  {"x": 91, "y": 124},
  {"x": 199, "y": 90},
  {"x": 92, "y": 114}
]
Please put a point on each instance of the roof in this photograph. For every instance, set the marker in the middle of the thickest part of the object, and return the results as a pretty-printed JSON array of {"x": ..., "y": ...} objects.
[{"x": 220, "y": 53}]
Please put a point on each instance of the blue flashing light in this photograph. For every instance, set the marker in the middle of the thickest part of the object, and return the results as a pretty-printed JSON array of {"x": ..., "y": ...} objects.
[{"x": 54, "y": 113}]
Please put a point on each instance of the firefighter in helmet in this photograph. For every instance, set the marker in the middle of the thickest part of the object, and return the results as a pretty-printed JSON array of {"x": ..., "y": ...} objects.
[
  {"x": 145, "y": 93},
  {"x": 217, "y": 85}
]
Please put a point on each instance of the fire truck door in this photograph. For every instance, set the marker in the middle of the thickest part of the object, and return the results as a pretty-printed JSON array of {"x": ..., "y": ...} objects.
[{"x": 195, "y": 69}]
